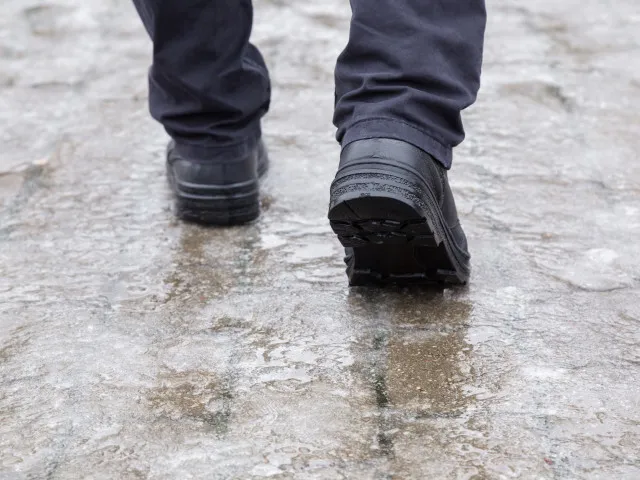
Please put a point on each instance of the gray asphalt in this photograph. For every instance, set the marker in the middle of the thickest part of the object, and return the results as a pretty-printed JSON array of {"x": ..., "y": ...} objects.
[{"x": 133, "y": 346}]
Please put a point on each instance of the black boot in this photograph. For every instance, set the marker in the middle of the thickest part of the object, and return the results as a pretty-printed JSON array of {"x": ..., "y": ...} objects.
[
  {"x": 214, "y": 192},
  {"x": 392, "y": 208}
]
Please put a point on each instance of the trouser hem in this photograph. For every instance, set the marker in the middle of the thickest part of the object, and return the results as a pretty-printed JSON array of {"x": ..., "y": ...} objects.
[
  {"x": 227, "y": 152},
  {"x": 398, "y": 130}
]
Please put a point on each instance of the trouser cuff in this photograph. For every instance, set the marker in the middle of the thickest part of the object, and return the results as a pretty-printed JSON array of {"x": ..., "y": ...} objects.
[
  {"x": 221, "y": 152},
  {"x": 398, "y": 130}
]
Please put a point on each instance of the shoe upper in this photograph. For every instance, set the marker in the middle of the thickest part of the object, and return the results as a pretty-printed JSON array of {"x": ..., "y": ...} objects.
[{"x": 405, "y": 155}]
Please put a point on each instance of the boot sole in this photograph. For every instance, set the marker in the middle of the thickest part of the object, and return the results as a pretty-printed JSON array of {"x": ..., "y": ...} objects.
[
  {"x": 217, "y": 205},
  {"x": 393, "y": 229}
]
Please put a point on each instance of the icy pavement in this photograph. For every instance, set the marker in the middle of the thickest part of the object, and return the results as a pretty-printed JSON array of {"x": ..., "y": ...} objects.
[{"x": 133, "y": 346}]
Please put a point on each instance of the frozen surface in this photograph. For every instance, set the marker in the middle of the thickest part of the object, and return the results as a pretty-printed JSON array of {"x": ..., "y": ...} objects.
[{"x": 133, "y": 346}]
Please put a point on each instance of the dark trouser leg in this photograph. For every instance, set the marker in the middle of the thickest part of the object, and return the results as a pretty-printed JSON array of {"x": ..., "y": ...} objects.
[
  {"x": 208, "y": 85},
  {"x": 410, "y": 68}
]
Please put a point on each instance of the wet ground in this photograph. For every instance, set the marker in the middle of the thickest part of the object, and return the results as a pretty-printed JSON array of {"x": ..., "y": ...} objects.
[{"x": 133, "y": 346}]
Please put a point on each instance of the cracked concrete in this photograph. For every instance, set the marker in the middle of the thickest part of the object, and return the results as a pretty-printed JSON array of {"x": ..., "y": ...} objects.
[{"x": 133, "y": 346}]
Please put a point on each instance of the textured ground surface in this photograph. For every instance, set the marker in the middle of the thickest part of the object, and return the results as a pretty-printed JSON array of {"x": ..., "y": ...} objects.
[{"x": 132, "y": 346}]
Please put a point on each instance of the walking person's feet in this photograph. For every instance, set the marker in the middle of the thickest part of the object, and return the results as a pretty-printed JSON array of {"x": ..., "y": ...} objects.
[
  {"x": 215, "y": 191},
  {"x": 392, "y": 208}
]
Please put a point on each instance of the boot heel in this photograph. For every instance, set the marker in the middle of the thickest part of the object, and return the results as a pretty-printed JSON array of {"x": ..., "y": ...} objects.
[{"x": 386, "y": 228}]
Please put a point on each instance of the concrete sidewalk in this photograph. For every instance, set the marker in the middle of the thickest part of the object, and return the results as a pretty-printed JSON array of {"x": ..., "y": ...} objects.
[{"x": 133, "y": 346}]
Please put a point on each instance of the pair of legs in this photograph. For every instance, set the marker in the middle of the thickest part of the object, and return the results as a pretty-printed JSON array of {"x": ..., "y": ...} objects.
[{"x": 409, "y": 69}]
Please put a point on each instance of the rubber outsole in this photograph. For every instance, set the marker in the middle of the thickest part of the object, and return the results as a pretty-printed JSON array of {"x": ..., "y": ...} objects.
[
  {"x": 231, "y": 208},
  {"x": 218, "y": 205},
  {"x": 393, "y": 232}
]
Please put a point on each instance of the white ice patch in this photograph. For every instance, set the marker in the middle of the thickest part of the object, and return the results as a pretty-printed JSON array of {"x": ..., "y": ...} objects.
[{"x": 598, "y": 269}]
